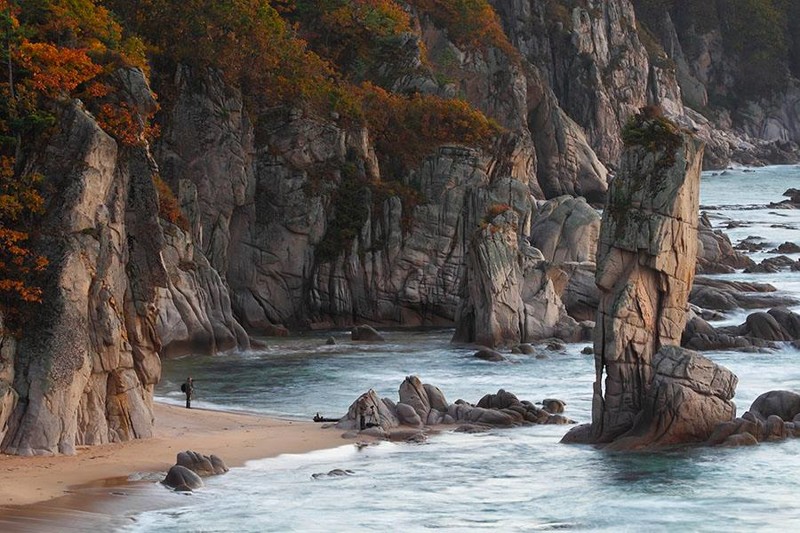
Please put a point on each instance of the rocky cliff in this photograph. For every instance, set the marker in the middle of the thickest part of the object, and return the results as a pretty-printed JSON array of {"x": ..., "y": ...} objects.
[
  {"x": 122, "y": 282},
  {"x": 301, "y": 214},
  {"x": 85, "y": 370},
  {"x": 736, "y": 63}
]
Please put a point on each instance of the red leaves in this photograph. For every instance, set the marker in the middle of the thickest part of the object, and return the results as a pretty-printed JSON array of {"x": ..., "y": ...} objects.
[
  {"x": 19, "y": 197},
  {"x": 55, "y": 71},
  {"x": 470, "y": 24},
  {"x": 408, "y": 128}
]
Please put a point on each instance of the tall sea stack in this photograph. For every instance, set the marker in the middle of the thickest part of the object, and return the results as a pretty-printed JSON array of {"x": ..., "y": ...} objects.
[{"x": 645, "y": 268}]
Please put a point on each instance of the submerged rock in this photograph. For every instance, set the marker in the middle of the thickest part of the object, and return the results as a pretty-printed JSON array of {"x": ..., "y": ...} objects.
[
  {"x": 336, "y": 472},
  {"x": 489, "y": 355},
  {"x": 367, "y": 334}
]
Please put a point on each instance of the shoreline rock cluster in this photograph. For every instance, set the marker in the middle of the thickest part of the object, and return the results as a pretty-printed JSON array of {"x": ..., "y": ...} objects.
[
  {"x": 422, "y": 407},
  {"x": 189, "y": 469}
]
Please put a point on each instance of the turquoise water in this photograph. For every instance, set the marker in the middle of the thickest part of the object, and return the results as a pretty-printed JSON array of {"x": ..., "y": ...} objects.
[{"x": 506, "y": 480}]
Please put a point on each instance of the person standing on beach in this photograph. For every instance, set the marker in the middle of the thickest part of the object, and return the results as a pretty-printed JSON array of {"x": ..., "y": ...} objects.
[{"x": 188, "y": 388}]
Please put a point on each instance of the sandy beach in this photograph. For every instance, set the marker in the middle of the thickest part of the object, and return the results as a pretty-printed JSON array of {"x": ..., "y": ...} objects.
[{"x": 235, "y": 437}]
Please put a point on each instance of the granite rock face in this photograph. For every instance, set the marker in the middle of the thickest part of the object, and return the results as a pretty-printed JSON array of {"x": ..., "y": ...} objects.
[
  {"x": 194, "y": 309},
  {"x": 507, "y": 296},
  {"x": 645, "y": 269},
  {"x": 124, "y": 288},
  {"x": 8, "y": 395},
  {"x": 269, "y": 195},
  {"x": 688, "y": 397},
  {"x": 86, "y": 367},
  {"x": 566, "y": 230},
  {"x": 648, "y": 392}
]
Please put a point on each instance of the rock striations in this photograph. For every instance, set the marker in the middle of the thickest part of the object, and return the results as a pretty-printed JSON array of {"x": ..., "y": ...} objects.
[
  {"x": 87, "y": 376},
  {"x": 294, "y": 221},
  {"x": 507, "y": 294},
  {"x": 649, "y": 392},
  {"x": 123, "y": 283}
]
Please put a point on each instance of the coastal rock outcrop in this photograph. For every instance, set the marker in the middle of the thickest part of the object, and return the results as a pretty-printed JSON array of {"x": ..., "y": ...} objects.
[
  {"x": 715, "y": 254},
  {"x": 773, "y": 416},
  {"x": 727, "y": 295},
  {"x": 202, "y": 465},
  {"x": 422, "y": 406},
  {"x": 687, "y": 398},
  {"x": 190, "y": 467},
  {"x": 760, "y": 330},
  {"x": 645, "y": 269},
  {"x": 507, "y": 295},
  {"x": 182, "y": 479},
  {"x": 648, "y": 392},
  {"x": 87, "y": 364}
]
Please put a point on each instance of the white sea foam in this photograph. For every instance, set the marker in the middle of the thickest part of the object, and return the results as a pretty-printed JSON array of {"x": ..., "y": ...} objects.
[{"x": 506, "y": 480}]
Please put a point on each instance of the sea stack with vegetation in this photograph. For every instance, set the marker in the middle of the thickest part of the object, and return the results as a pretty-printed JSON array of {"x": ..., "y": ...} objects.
[{"x": 189, "y": 178}]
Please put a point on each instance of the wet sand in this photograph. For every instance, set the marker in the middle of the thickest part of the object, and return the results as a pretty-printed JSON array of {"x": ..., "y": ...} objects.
[{"x": 62, "y": 492}]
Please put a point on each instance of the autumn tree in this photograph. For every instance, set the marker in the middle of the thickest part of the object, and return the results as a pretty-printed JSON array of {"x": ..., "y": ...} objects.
[
  {"x": 407, "y": 128},
  {"x": 470, "y": 24},
  {"x": 52, "y": 52},
  {"x": 358, "y": 36},
  {"x": 247, "y": 41}
]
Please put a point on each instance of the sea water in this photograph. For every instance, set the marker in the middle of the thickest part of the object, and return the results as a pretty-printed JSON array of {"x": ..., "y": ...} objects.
[{"x": 518, "y": 479}]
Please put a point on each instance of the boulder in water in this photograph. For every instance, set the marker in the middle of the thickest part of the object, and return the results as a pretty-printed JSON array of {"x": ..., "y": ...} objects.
[
  {"x": 182, "y": 479},
  {"x": 202, "y": 465},
  {"x": 366, "y": 333},
  {"x": 782, "y": 403},
  {"x": 688, "y": 398},
  {"x": 489, "y": 355},
  {"x": 553, "y": 406}
]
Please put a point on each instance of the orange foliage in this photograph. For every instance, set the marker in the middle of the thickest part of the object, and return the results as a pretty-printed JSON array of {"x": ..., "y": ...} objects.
[
  {"x": 168, "y": 207},
  {"x": 17, "y": 263},
  {"x": 408, "y": 128},
  {"x": 470, "y": 24},
  {"x": 19, "y": 198},
  {"x": 55, "y": 71},
  {"x": 247, "y": 41},
  {"x": 125, "y": 124}
]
